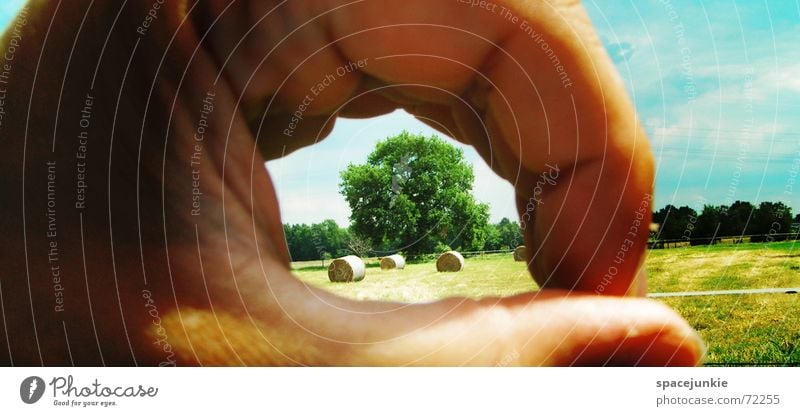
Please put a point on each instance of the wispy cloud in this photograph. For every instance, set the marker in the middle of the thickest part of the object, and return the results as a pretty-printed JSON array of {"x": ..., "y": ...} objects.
[{"x": 716, "y": 83}]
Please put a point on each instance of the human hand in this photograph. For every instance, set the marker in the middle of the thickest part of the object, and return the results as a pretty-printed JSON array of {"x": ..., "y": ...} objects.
[{"x": 220, "y": 280}]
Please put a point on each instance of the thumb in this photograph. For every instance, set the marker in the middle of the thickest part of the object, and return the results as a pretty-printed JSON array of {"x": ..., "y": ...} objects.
[{"x": 585, "y": 330}]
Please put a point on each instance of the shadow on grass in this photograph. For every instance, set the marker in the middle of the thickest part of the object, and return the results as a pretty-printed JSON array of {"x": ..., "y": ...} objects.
[
  {"x": 323, "y": 268},
  {"x": 309, "y": 268}
]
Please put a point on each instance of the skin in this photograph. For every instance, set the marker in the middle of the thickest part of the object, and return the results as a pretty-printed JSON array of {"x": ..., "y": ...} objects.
[{"x": 145, "y": 282}]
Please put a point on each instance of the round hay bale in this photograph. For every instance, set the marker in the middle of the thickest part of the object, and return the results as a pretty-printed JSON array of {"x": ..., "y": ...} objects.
[
  {"x": 450, "y": 261},
  {"x": 394, "y": 261},
  {"x": 519, "y": 253},
  {"x": 347, "y": 269}
]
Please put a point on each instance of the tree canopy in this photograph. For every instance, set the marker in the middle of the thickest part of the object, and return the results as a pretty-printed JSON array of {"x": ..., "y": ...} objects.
[{"x": 414, "y": 194}]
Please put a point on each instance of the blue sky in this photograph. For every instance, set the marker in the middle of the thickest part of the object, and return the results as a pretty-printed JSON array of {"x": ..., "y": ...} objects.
[
  {"x": 716, "y": 84},
  {"x": 7, "y": 10}
]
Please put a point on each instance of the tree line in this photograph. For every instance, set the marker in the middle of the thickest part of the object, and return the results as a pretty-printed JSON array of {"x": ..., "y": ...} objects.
[
  {"x": 741, "y": 218},
  {"x": 328, "y": 240}
]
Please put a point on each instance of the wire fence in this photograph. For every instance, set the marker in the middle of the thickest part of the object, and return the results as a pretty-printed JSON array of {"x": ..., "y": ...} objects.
[{"x": 738, "y": 239}]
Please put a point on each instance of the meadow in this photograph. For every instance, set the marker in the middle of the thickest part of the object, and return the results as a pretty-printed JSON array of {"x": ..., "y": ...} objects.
[{"x": 751, "y": 329}]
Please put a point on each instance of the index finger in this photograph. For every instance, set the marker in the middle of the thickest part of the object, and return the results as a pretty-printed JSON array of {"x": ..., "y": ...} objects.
[{"x": 585, "y": 187}]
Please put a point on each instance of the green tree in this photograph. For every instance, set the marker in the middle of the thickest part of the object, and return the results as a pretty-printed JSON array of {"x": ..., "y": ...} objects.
[
  {"x": 298, "y": 238},
  {"x": 510, "y": 234},
  {"x": 329, "y": 239},
  {"x": 316, "y": 241},
  {"x": 492, "y": 238},
  {"x": 414, "y": 194},
  {"x": 675, "y": 223},
  {"x": 772, "y": 218},
  {"x": 738, "y": 219},
  {"x": 708, "y": 223}
]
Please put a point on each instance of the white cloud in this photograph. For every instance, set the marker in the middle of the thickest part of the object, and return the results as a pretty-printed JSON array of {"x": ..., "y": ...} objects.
[{"x": 313, "y": 206}]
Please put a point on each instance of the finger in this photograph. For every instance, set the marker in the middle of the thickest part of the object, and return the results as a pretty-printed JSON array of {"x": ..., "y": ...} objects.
[
  {"x": 584, "y": 192},
  {"x": 369, "y": 100},
  {"x": 279, "y": 134},
  {"x": 593, "y": 330},
  {"x": 275, "y": 48}
]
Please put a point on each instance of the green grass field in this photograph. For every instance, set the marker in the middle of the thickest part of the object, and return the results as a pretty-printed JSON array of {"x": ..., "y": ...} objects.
[{"x": 739, "y": 329}]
